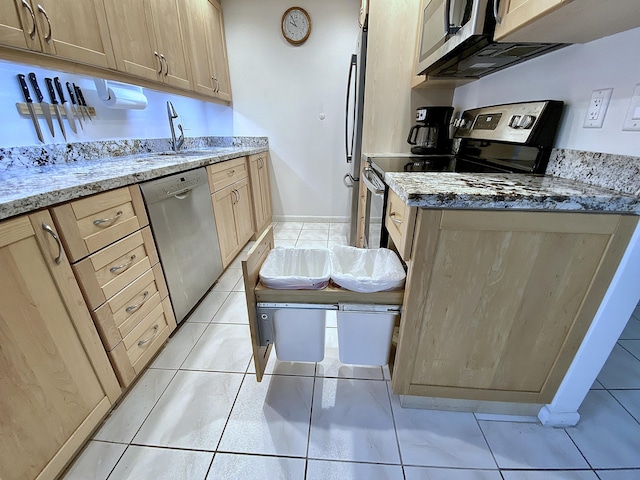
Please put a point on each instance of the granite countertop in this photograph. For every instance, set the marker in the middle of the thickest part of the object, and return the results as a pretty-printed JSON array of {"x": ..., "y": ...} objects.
[
  {"x": 507, "y": 191},
  {"x": 25, "y": 190}
]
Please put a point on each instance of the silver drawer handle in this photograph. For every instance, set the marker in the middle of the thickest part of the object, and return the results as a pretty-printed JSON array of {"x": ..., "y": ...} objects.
[
  {"x": 393, "y": 218},
  {"x": 121, "y": 268},
  {"x": 230, "y": 172},
  {"x": 50, "y": 231},
  {"x": 142, "y": 343},
  {"x": 133, "y": 308},
  {"x": 102, "y": 221}
]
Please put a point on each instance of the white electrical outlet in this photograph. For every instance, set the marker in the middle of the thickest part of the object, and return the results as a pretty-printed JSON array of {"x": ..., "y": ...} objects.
[
  {"x": 598, "y": 108},
  {"x": 632, "y": 120}
]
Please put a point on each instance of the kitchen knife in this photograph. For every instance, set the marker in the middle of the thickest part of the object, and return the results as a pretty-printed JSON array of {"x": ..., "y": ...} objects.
[
  {"x": 46, "y": 108},
  {"x": 32, "y": 112},
  {"x": 65, "y": 104},
  {"x": 56, "y": 107},
  {"x": 82, "y": 101},
  {"x": 73, "y": 105}
]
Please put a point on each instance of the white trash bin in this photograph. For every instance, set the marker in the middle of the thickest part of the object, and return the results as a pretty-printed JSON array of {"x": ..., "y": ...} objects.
[
  {"x": 299, "y": 334},
  {"x": 365, "y": 332},
  {"x": 366, "y": 270},
  {"x": 296, "y": 268}
]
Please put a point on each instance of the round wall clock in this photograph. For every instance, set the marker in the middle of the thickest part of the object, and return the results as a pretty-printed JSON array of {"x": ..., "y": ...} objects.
[{"x": 296, "y": 25}]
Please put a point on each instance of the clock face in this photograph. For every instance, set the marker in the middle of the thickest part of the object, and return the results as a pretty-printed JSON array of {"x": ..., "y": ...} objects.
[{"x": 296, "y": 25}]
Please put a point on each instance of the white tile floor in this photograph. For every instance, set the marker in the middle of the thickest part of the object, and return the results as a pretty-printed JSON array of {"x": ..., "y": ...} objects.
[{"x": 198, "y": 413}]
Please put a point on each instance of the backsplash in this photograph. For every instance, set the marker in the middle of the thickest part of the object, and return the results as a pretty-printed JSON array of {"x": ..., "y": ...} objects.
[
  {"x": 17, "y": 158},
  {"x": 616, "y": 172}
]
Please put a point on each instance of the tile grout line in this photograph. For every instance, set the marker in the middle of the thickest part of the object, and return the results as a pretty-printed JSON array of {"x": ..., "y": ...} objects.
[
  {"x": 395, "y": 427},
  {"x": 313, "y": 394}
]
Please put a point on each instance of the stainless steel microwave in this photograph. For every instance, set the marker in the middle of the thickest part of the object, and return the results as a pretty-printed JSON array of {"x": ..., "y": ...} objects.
[{"x": 456, "y": 40}]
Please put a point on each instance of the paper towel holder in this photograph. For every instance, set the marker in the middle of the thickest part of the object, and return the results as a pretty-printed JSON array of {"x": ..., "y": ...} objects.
[{"x": 120, "y": 95}]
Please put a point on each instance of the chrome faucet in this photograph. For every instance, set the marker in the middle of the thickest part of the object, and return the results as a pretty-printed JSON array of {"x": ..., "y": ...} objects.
[{"x": 175, "y": 143}]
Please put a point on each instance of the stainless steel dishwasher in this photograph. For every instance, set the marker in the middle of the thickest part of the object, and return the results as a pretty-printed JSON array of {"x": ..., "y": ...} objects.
[{"x": 181, "y": 217}]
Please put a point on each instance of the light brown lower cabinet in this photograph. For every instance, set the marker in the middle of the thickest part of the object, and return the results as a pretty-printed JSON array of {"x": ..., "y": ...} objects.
[
  {"x": 231, "y": 198},
  {"x": 56, "y": 382},
  {"x": 260, "y": 191},
  {"x": 497, "y": 303},
  {"x": 117, "y": 267}
]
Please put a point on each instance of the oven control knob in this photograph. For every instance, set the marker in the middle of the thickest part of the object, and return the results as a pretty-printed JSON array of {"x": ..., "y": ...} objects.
[
  {"x": 527, "y": 121},
  {"x": 514, "y": 121}
]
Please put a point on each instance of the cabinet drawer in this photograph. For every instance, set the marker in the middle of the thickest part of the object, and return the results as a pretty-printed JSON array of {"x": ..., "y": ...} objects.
[
  {"x": 225, "y": 173},
  {"x": 400, "y": 222},
  {"x": 119, "y": 315},
  {"x": 108, "y": 271},
  {"x": 88, "y": 224},
  {"x": 135, "y": 351}
]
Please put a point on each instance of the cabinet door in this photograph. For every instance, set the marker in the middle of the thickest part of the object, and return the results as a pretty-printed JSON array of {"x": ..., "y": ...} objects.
[
  {"x": 133, "y": 40},
  {"x": 242, "y": 212},
  {"x": 55, "y": 389},
  {"x": 261, "y": 191},
  {"x": 515, "y": 14},
  {"x": 223, "y": 209},
  {"x": 194, "y": 30},
  {"x": 75, "y": 30},
  {"x": 165, "y": 18},
  {"x": 216, "y": 41},
  {"x": 497, "y": 303},
  {"x": 18, "y": 25}
]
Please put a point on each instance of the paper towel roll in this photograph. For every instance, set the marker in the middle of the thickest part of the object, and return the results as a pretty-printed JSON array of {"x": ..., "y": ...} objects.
[{"x": 121, "y": 95}]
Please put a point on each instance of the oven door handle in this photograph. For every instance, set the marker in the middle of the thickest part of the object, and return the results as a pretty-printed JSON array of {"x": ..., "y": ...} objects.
[{"x": 370, "y": 178}]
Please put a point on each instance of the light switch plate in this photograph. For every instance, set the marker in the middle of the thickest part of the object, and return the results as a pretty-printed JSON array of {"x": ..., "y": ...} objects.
[
  {"x": 632, "y": 120},
  {"x": 598, "y": 108}
]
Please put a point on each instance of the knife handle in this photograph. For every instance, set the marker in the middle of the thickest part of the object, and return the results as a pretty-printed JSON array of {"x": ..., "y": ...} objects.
[
  {"x": 56, "y": 81},
  {"x": 36, "y": 87},
  {"x": 81, "y": 100},
  {"x": 25, "y": 88},
  {"x": 52, "y": 92},
  {"x": 71, "y": 95}
]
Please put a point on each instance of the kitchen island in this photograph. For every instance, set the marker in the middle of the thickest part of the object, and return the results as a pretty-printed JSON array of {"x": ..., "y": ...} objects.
[{"x": 507, "y": 307}]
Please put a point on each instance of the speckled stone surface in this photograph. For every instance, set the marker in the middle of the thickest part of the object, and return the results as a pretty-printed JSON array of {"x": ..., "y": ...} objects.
[
  {"x": 616, "y": 172},
  {"x": 506, "y": 191},
  {"x": 27, "y": 183}
]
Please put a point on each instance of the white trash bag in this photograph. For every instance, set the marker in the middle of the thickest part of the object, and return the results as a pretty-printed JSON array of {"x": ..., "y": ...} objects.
[
  {"x": 366, "y": 270},
  {"x": 296, "y": 268}
]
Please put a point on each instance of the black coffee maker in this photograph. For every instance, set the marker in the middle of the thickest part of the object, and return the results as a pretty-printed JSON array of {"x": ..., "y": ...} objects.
[{"x": 431, "y": 135}]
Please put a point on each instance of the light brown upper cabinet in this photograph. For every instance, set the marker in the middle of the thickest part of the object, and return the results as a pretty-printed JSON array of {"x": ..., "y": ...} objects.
[
  {"x": 564, "y": 21},
  {"x": 203, "y": 34},
  {"x": 66, "y": 28},
  {"x": 56, "y": 381},
  {"x": 147, "y": 40}
]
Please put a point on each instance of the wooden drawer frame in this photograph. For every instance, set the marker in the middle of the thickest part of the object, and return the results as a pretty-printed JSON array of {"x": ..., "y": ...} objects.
[
  {"x": 400, "y": 222},
  {"x": 223, "y": 174},
  {"x": 88, "y": 270},
  {"x": 123, "y": 208}
]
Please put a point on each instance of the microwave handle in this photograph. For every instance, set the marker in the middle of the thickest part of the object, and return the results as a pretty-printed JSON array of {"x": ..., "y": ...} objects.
[
  {"x": 449, "y": 28},
  {"x": 497, "y": 17}
]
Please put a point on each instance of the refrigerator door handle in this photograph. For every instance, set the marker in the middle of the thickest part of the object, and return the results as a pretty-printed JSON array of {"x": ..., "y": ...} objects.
[
  {"x": 353, "y": 70},
  {"x": 351, "y": 182}
]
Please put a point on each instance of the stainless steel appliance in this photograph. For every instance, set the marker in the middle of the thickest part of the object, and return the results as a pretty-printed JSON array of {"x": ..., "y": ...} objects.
[
  {"x": 510, "y": 138},
  {"x": 353, "y": 124},
  {"x": 181, "y": 217},
  {"x": 431, "y": 134},
  {"x": 456, "y": 40}
]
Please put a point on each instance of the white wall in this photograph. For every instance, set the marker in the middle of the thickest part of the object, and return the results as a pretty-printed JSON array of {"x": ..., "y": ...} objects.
[
  {"x": 280, "y": 91},
  {"x": 571, "y": 74},
  {"x": 198, "y": 118}
]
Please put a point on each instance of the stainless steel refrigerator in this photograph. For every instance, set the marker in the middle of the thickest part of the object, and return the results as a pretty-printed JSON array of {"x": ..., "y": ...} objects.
[{"x": 354, "y": 115}]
